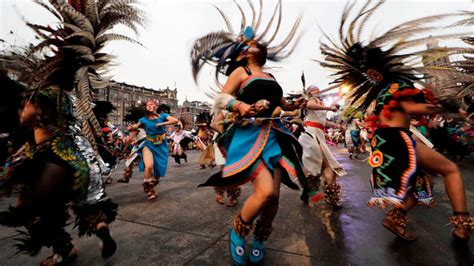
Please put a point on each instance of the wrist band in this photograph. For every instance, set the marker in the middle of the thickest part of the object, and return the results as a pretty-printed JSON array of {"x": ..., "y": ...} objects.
[{"x": 233, "y": 105}]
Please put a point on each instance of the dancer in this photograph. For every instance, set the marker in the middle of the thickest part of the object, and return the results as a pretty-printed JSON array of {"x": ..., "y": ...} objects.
[
  {"x": 215, "y": 155},
  {"x": 154, "y": 154},
  {"x": 376, "y": 72},
  {"x": 135, "y": 141},
  {"x": 353, "y": 140},
  {"x": 181, "y": 140},
  {"x": 52, "y": 172},
  {"x": 59, "y": 164},
  {"x": 203, "y": 140},
  {"x": 257, "y": 149},
  {"x": 317, "y": 157}
]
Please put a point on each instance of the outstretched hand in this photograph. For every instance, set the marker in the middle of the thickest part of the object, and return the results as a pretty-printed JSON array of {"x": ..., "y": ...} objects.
[
  {"x": 246, "y": 110},
  {"x": 300, "y": 103}
]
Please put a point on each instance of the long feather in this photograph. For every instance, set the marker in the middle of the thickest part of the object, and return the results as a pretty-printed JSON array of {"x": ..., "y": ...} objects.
[
  {"x": 278, "y": 24},
  {"x": 244, "y": 18},
  {"x": 350, "y": 35},
  {"x": 253, "y": 13},
  {"x": 269, "y": 24},
  {"x": 260, "y": 14},
  {"x": 226, "y": 20},
  {"x": 366, "y": 18}
]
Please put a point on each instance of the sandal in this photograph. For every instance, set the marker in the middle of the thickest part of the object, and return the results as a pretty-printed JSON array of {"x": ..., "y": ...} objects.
[
  {"x": 396, "y": 222},
  {"x": 220, "y": 198},
  {"x": 462, "y": 227},
  {"x": 152, "y": 194}
]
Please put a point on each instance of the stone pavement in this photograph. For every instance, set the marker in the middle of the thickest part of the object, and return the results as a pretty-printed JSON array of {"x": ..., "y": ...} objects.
[{"x": 186, "y": 226}]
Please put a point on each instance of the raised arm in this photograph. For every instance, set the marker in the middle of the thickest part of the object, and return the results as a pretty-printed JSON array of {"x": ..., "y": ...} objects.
[
  {"x": 170, "y": 120},
  {"x": 314, "y": 104},
  {"x": 299, "y": 103},
  {"x": 413, "y": 108},
  {"x": 134, "y": 126}
]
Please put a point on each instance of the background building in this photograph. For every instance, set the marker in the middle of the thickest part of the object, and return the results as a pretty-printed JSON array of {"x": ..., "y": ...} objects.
[
  {"x": 124, "y": 96},
  {"x": 188, "y": 112}
]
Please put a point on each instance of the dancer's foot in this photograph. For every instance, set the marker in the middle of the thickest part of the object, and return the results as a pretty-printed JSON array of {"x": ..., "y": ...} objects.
[
  {"x": 202, "y": 166},
  {"x": 68, "y": 254},
  {"x": 220, "y": 198},
  {"x": 462, "y": 224},
  {"x": 257, "y": 254},
  {"x": 151, "y": 195},
  {"x": 237, "y": 248},
  {"x": 396, "y": 222},
  {"x": 108, "y": 245}
]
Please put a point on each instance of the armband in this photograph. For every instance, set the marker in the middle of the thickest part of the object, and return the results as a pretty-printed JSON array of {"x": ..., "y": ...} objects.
[{"x": 226, "y": 102}]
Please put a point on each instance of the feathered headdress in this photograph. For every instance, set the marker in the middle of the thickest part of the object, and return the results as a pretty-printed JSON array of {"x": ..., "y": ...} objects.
[
  {"x": 203, "y": 117},
  {"x": 222, "y": 48},
  {"x": 71, "y": 56},
  {"x": 367, "y": 67}
]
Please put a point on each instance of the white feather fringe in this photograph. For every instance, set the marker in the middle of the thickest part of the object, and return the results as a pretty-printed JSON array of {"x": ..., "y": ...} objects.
[{"x": 221, "y": 103}]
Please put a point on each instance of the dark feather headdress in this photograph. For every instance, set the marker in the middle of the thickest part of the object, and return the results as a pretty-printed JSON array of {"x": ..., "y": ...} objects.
[
  {"x": 204, "y": 117},
  {"x": 398, "y": 55},
  {"x": 70, "y": 53},
  {"x": 222, "y": 48}
]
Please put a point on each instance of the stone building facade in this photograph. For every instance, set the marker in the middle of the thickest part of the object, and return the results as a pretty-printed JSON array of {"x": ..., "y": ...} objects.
[
  {"x": 188, "y": 112},
  {"x": 125, "y": 96}
]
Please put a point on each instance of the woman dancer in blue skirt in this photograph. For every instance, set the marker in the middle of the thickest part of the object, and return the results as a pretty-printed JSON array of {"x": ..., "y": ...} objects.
[{"x": 154, "y": 153}]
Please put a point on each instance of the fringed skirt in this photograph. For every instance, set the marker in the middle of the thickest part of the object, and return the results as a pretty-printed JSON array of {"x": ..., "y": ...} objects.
[
  {"x": 45, "y": 196},
  {"x": 248, "y": 149},
  {"x": 394, "y": 169},
  {"x": 315, "y": 150}
]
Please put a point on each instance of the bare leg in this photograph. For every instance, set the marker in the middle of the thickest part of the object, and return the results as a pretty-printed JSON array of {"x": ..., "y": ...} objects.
[
  {"x": 266, "y": 190},
  {"x": 148, "y": 161},
  {"x": 328, "y": 174},
  {"x": 434, "y": 162},
  {"x": 269, "y": 212},
  {"x": 409, "y": 203},
  {"x": 149, "y": 180}
]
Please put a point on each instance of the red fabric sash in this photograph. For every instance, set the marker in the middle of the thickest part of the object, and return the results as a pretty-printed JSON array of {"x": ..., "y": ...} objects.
[{"x": 314, "y": 124}]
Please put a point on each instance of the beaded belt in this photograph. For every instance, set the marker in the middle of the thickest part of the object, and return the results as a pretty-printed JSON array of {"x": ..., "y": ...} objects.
[{"x": 158, "y": 139}]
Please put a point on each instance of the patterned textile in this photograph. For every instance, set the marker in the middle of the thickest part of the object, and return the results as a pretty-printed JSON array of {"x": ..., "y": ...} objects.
[{"x": 394, "y": 169}]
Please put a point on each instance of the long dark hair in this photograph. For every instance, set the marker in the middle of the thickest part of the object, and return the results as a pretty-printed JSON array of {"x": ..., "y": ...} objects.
[{"x": 261, "y": 59}]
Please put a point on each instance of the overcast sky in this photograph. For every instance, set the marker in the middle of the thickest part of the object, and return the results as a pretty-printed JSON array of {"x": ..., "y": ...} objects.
[{"x": 173, "y": 25}]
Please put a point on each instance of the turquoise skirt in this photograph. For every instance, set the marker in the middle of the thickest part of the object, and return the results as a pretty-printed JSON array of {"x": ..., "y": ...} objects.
[
  {"x": 248, "y": 149},
  {"x": 160, "y": 157}
]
